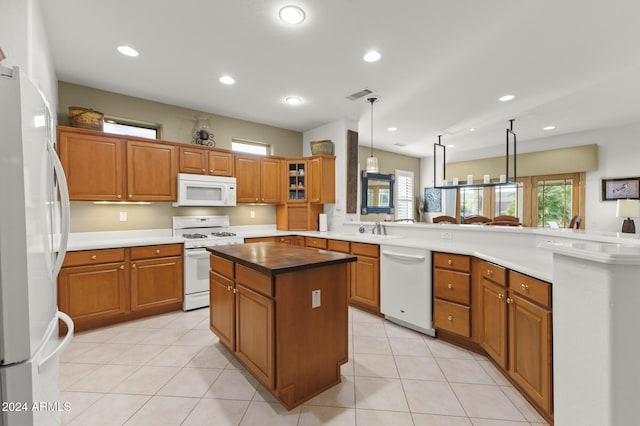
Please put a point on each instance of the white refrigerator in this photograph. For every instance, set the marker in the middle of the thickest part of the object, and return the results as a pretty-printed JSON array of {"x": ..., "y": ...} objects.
[{"x": 34, "y": 223}]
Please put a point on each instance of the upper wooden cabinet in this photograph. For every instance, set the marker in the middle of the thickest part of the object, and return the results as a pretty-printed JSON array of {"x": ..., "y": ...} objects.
[
  {"x": 151, "y": 172},
  {"x": 258, "y": 179},
  {"x": 93, "y": 164},
  {"x": 205, "y": 161},
  {"x": 322, "y": 179},
  {"x": 104, "y": 167}
]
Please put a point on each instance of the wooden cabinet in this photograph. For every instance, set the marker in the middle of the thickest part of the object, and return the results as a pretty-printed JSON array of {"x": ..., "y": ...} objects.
[
  {"x": 315, "y": 242},
  {"x": 260, "y": 240},
  {"x": 101, "y": 287},
  {"x": 258, "y": 180},
  {"x": 104, "y": 167},
  {"x": 452, "y": 293},
  {"x": 364, "y": 289},
  {"x": 205, "y": 161},
  {"x": 151, "y": 172},
  {"x": 92, "y": 287},
  {"x": 156, "y": 277},
  {"x": 293, "y": 240},
  {"x": 296, "y": 185},
  {"x": 94, "y": 165},
  {"x": 492, "y": 315},
  {"x": 322, "y": 179},
  {"x": 298, "y": 217},
  {"x": 530, "y": 338},
  {"x": 222, "y": 318}
]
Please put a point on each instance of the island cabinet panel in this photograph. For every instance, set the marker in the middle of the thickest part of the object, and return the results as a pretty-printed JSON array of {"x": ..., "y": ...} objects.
[
  {"x": 151, "y": 171},
  {"x": 94, "y": 165},
  {"x": 494, "y": 321},
  {"x": 290, "y": 327},
  {"x": 254, "y": 333}
]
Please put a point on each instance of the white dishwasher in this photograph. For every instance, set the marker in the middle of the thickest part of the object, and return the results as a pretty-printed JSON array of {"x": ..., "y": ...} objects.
[{"x": 405, "y": 287}]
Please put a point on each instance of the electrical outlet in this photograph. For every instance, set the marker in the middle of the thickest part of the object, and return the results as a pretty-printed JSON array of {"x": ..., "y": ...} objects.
[
  {"x": 123, "y": 216},
  {"x": 252, "y": 214},
  {"x": 446, "y": 235},
  {"x": 315, "y": 299}
]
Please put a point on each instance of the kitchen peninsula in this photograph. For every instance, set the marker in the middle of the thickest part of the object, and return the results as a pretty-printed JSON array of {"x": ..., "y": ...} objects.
[{"x": 282, "y": 311}]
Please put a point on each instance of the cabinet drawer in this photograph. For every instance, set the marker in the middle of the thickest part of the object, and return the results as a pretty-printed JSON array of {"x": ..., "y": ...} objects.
[
  {"x": 222, "y": 266},
  {"x": 451, "y": 285},
  {"x": 456, "y": 262},
  {"x": 339, "y": 245},
  {"x": 452, "y": 317},
  {"x": 371, "y": 250},
  {"x": 149, "y": 252},
  {"x": 493, "y": 272},
  {"x": 531, "y": 288},
  {"x": 314, "y": 242},
  {"x": 90, "y": 257},
  {"x": 254, "y": 280}
]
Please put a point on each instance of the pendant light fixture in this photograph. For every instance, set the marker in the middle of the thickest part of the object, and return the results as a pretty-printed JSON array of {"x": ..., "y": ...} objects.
[{"x": 372, "y": 162}]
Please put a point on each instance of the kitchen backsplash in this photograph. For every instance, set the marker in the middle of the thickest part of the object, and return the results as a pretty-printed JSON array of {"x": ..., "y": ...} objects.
[{"x": 87, "y": 217}]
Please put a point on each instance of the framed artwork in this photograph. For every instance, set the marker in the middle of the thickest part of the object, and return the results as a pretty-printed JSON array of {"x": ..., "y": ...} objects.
[
  {"x": 615, "y": 189},
  {"x": 433, "y": 199}
]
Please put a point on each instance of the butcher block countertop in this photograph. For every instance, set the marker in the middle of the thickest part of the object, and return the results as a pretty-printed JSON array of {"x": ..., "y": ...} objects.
[{"x": 277, "y": 258}]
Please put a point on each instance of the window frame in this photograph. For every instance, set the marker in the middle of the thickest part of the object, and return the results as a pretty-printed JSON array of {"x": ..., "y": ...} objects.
[{"x": 411, "y": 199}]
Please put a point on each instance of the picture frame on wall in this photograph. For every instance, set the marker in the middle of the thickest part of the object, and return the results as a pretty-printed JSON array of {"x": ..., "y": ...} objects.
[
  {"x": 622, "y": 188},
  {"x": 433, "y": 200}
]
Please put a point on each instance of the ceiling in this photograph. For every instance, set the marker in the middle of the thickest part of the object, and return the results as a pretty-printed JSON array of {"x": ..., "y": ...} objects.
[{"x": 573, "y": 64}]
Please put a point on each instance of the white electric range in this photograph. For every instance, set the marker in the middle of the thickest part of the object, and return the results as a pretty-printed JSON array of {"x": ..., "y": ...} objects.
[{"x": 199, "y": 232}]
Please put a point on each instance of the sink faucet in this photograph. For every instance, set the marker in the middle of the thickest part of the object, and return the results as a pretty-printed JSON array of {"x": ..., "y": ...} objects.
[{"x": 379, "y": 229}]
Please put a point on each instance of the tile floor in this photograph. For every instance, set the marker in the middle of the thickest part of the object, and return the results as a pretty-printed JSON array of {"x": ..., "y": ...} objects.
[{"x": 171, "y": 370}]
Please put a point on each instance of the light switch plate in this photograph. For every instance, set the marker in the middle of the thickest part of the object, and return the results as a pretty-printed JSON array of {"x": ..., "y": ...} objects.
[{"x": 315, "y": 299}]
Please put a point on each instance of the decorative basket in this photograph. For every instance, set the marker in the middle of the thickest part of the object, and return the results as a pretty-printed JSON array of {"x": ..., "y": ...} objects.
[
  {"x": 322, "y": 147},
  {"x": 86, "y": 118}
]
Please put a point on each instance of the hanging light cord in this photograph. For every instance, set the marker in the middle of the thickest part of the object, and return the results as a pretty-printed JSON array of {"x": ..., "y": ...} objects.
[{"x": 372, "y": 100}]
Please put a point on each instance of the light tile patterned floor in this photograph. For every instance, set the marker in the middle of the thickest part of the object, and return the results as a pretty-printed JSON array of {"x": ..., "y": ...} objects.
[{"x": 171, "y": 370}]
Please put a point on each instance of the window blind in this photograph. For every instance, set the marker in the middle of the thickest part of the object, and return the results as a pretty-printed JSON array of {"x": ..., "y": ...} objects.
[{"x": 404, "y": 194}]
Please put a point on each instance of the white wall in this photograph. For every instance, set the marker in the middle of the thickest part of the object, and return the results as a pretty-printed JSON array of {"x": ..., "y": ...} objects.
[
  {"x": 24, "y": 42},
  {"x": 619, "y": 156},
  {"x": 336, "y": 131}
]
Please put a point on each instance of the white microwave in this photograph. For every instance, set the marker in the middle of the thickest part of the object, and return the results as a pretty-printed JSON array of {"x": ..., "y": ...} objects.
[{"x": 202, "y": 190}]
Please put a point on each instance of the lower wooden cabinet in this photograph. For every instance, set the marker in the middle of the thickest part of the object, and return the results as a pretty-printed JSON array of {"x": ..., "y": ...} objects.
[
  {"x": 364, "y": 289},
  {"x": 102, "y": 287},
  {"x": 510, "y": 320}
]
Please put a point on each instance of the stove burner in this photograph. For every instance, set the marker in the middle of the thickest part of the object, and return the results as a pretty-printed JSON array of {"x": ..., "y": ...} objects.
[
  {"x": 194, "y": 236},
  {"x": 223, "y": 234}
]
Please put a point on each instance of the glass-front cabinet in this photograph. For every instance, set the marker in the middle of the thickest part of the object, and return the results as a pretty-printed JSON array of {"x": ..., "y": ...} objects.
[{"x": 297, "y": 180}]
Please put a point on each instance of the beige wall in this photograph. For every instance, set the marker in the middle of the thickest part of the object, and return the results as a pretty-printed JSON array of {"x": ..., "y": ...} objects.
[
  {"x": 388, "y": 162},
  {"x": 176, "y": 123}
]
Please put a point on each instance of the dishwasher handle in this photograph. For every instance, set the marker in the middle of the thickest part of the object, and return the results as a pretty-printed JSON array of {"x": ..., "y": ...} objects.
[{"x": 402, "y": 256}]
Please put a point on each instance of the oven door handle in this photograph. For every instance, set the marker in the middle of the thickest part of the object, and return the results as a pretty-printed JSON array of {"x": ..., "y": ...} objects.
[{"x": 196, "y": 252}]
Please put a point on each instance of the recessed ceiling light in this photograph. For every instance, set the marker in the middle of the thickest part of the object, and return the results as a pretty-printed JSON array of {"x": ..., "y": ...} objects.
[
  {"x": 372, "y": 56},
  {"x": 128, "y": 51},
  {"x": 549, "y": 128},
  {"x": 473, "y": 129},
  {"x": 293, "y": 100},
  {"x": 506, "y": 98},
  {"x": 227, "y": 79},
  {"x": 291, "y": 14},
  {"x": 450, "y": 146},
  {"x": 392, "y": 129}
]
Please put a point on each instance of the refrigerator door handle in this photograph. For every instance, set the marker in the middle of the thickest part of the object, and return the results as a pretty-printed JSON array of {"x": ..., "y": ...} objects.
[
  {"x": 64, "y": 210},
  {"x": 64, "y": 343}
]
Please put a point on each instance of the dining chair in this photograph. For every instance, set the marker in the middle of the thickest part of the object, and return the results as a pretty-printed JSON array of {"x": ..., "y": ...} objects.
[
  {"x": 445, "y": 219},
  {"x": 476, "y": 219}
]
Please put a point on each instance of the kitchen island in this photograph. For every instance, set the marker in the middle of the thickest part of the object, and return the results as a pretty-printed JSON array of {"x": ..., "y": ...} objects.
[{"x": 282, "y": 311}]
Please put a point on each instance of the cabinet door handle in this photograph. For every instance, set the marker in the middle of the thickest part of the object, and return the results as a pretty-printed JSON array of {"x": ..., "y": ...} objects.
[
  {"x": 450, "y": 318},
  {"x": 121, "y": 266},
  {"x": 158, "y": 251},
  {"x": 235, "y": 290},
  {"x": 489, "y": 272},
  {"x": 449, "y": 285},
  {"x": 228, "y": 288},
  {"x": 449, "y": 262},
  {"x": 203, "y": 170},
  {"x": 130, "y": 196},
  {"x": 509, "y": 300},
  {"x": 119, "y": 195},
  {"x": 210, "y": 172},
  {"x": 133, "y": 266},
  {"x": 525, "y": 287},
  {"x": 500, "y": 296},
  {"x": 94, "y": 257}
]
